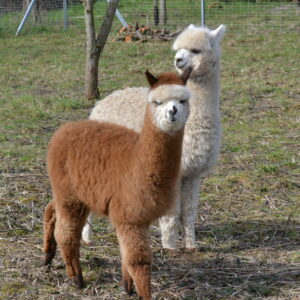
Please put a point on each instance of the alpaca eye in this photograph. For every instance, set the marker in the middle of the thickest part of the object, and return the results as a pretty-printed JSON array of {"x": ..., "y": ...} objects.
[
  {"x": 157, "y": 102},
  {"x": 183, "y": 101},
  {"x": 196, "y": 51}
]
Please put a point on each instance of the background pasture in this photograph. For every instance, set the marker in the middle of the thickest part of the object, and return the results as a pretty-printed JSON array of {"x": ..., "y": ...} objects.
[{"x": 248, "y": 226}]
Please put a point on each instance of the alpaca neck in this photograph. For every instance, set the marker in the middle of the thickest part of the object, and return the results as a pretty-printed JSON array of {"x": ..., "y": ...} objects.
[
  {"x": 158, "y": 153},
  {"x": 205, "y": 92},
  {"x": 202, "y": 130}
]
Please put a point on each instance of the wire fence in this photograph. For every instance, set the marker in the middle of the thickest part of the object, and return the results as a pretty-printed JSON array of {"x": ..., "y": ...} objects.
[{"x": 175, "y": 14}]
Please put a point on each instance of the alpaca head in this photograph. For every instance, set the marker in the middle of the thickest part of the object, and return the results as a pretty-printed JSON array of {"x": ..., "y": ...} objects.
[
  {"x": 199, "y": 48},
  {"x": 169, "y": 100}
]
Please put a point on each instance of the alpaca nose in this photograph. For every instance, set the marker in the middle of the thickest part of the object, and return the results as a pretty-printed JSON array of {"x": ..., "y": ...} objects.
[
  {"x": 173, "y": 111},
  {"x": 178, "y": 60}
]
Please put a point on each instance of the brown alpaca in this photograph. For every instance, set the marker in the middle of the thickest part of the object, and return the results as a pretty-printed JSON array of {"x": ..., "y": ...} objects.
[{"x": 113, "y": 171}]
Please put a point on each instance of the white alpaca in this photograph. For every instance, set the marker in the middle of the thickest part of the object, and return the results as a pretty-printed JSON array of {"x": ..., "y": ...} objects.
[{"x": 199, "y": 48}]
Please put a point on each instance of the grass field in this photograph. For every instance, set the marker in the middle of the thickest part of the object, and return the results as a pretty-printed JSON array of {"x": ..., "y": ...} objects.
[{"x": 248, "y": 229}]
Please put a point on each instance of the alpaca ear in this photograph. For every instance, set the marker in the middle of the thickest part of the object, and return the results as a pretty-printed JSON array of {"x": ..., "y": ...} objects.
[
  {"x": 218, "y": 33},
  {"x": 186, "y": 74},
  {"x": 151, "y": 79},
  {"x": 192, "y": 26}
]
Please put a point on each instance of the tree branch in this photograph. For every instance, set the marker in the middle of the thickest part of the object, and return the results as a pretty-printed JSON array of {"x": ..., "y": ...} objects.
[{"x": 105, "y": 27}]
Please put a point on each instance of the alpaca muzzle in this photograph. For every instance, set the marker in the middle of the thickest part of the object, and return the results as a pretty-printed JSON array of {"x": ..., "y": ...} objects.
[
  {"x": 181, "y": 60},
  {"x": 171, "y": 114}
]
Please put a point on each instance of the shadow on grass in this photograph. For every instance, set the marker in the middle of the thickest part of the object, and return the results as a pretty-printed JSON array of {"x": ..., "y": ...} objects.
[
  {"x": 221, "y": 277},
  {"x": 245, "y": 235},
  {"x": 237, "y": 259}
]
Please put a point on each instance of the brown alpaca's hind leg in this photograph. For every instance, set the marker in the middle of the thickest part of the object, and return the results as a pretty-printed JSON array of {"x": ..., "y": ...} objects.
[
  {"x": 49, "y": 226},
  {"x": 127, "y": 281},
  {"x": 136, "y": 259},
  {"x": 70, "y": 220}
]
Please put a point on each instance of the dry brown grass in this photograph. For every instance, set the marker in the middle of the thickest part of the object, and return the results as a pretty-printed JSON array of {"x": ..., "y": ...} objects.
[{"x": 237, "y": 259}]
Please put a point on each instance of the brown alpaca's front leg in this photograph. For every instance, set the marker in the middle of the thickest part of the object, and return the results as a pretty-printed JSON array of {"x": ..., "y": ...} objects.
[{"x": 136, "y": 259}]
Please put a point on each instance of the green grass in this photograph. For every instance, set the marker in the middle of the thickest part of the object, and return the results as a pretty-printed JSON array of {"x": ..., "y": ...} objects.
[{"x": 248, "y": 224}]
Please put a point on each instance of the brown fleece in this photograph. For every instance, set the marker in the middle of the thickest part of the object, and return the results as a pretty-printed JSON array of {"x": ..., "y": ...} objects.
[{"x": 116, "y": 172}]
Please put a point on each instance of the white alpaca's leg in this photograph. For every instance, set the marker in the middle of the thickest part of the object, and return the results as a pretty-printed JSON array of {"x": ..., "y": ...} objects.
[
  {"x": 87, "y": 230},
  {"x": 169, "y": 226},
  {"x": 189, "y": 207}
]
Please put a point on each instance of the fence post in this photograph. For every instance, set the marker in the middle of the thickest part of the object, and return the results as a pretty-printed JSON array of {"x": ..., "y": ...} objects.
[
  {"x": 27, "y": 13},
  {"x": 203, "y": 12},
  {"x": 65, "y": 8}
]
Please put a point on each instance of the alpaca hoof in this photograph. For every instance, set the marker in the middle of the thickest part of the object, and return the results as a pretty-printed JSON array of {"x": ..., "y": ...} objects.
[
  {"x": 48, "y": 258},
  {"x": 170, "y": 248},
  {"x": 172, "y": 251},
  {"x": 191, "y": 248},
  {"x": 79, "y": 281},
  {"x": 128, "y": 285},
  {"x": 86, "y": 238},
  {"x": 87, "y": 242},
  {"x": 170, "y": 245}
]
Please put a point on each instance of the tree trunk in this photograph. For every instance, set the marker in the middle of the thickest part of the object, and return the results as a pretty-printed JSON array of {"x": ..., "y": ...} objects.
[
  {"x": 155, "y": 12},
  {"x": 91, "y": 78},
  {"x": 92, "y": 62},
  {"x": 35, "y": 11},
  {"x": 163, "y": 12},
  {"x": 95, "y": 45}
]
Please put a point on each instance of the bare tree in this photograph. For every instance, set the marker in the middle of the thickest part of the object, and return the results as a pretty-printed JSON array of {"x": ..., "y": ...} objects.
[
  {"x": 163, "y": 12},
  {"x": 95, "y": 45},
  {"x": 35, "y": 11},
  {"x": 155, "y": 12}
]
